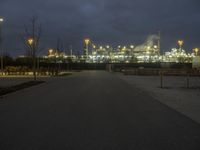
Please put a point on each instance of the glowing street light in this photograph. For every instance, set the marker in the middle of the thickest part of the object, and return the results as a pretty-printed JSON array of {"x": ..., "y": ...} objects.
[
  {"x": 86, "y": 51},
  {"x": 196, "y": 50},
  {"x": 87, "y": 41},
  {"x": 94, "y": 46},
  {"x": 132, "y": 46},
  {"x": 30, "y": 41},
  {"x": 50, "y": 52},
  {"x": 155, "y": 46},
  {"x": 1, "y": 41},
  {"x": 180, "y": 43}
]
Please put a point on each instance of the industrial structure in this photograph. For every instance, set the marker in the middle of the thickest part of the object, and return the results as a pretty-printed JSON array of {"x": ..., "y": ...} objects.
[{"x": 148, "y": 52}]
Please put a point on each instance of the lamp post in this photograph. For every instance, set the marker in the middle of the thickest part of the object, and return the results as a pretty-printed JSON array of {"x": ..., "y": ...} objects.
[
  {"x": 87, "y": 41},
  {"x": 31, "y": 43},
  {"x": 1, "y": 43}
]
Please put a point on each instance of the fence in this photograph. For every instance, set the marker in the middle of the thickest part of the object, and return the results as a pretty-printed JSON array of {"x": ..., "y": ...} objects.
[{"x": 185, "y": 74}]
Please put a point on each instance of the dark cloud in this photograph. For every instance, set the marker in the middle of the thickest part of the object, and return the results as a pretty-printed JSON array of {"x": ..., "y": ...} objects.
[{"x": 105, "y": 21}]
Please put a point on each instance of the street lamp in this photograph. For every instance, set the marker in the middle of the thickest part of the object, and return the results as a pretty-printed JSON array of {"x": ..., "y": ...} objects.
[
  {"x": 132, "y": 46},
  {"x": 87, "y": 42},
  {"x": 196, "y": 50},
  {"x": 155, "y": 46},
  {"x": 1, "y": 44},
  {"x": 50, "y": 52},
  {"x": 180, "y": 43},
  {"x": 94, "y": 46},
  {"x": 30, "y": 41}
]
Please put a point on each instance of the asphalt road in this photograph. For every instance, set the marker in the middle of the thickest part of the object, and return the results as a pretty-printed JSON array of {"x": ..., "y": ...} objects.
[{"x": 92, "y": 111}]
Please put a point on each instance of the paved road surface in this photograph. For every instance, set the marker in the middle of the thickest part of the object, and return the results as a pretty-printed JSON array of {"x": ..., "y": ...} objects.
[{"x": 92, "y": 111}]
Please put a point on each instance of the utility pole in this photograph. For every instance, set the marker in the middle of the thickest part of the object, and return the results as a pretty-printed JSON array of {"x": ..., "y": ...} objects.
[{"x": 1, "y": 43}]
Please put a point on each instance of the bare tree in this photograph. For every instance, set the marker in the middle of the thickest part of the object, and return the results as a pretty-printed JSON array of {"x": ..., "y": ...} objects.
[{"x": 31, "y": 39}]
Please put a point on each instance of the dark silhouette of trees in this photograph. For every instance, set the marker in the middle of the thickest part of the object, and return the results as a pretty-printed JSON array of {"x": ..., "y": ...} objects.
[
  {"x": 32, "y": 38},
  {"x": 8, "y": 60}
]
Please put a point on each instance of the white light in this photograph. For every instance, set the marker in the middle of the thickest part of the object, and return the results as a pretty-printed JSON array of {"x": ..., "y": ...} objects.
[
  {"x": 1, "y": 19},
  {"x": 132, "y": 46}
]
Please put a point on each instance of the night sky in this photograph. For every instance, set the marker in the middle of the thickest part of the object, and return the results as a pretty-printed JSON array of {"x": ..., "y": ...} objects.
[{"x": 111, "y": 22}]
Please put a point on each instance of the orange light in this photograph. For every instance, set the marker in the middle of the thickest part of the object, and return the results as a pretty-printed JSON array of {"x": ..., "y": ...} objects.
[
  {"x": 87, "y": 41},
  {"x": 180, "y": 43},
  {"x": 30, "y": 41},
  {"x": 196, "y": 50},
  {"x": 50, "y": 51}
]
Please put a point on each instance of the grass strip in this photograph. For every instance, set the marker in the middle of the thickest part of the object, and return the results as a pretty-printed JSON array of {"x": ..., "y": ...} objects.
[{"x": 11, "y": 89}]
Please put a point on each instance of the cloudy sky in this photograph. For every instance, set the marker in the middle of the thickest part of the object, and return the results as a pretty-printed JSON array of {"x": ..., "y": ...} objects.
[{"x": 111, "y": 22}]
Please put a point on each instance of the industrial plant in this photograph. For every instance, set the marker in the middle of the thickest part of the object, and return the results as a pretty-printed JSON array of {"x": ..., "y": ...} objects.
[{"x": 148, "y": 52}]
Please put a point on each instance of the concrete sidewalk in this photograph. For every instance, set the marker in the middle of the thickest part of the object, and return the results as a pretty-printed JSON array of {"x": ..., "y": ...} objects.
[{"x": 176, "y": 95}]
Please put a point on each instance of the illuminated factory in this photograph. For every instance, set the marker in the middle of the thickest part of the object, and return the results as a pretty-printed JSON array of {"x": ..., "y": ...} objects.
[{"x": 148, "y": 52}]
